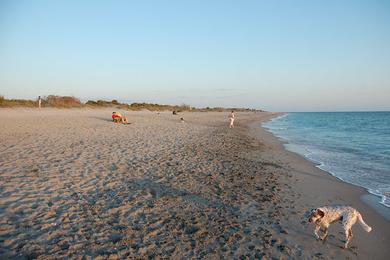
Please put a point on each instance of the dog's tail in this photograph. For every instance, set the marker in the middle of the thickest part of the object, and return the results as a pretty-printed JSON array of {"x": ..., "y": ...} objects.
[{"x": 363, "y": 224}]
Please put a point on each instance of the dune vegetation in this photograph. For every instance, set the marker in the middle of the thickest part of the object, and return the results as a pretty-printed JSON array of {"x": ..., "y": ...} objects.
[{"x": 55, "y": 101}]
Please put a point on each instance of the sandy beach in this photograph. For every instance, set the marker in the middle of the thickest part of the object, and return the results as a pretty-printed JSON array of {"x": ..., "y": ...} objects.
[{"x": 75, "y": 185}]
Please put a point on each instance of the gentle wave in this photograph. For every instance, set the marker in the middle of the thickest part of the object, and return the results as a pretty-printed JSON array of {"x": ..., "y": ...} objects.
[{"x": 354, "y": 147}]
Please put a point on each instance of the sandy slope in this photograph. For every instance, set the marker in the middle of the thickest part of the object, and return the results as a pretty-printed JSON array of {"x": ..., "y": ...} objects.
[{"x": 72, "y": 184}]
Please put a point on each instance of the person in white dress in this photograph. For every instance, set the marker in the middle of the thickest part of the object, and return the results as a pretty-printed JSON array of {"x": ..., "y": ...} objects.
[{"x": 231, "y": 117}]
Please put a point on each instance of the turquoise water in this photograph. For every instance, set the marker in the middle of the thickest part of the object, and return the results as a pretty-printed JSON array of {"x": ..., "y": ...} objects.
[{"x": 353, "y": 146}]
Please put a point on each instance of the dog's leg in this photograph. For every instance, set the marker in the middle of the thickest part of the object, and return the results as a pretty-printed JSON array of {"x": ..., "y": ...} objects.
[
  {"x": 325, "y": 236},
  {"x": 316, "y": 232},
  {"x": 348, "y": 237}
]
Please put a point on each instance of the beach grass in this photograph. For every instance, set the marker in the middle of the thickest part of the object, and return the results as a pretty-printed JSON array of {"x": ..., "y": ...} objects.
[{"x": 55, "y": 101}]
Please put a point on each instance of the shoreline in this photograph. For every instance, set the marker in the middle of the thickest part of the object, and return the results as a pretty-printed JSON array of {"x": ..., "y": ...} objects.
[
  {"x": 317, "y": 188},
  {"x": 373, "y": 200}
]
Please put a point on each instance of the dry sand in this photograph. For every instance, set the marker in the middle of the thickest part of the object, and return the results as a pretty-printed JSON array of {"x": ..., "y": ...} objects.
[{"x": 73, "y": 184}]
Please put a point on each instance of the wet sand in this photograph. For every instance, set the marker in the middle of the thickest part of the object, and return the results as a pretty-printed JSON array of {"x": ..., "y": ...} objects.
[{"x": 73, "y": 184}]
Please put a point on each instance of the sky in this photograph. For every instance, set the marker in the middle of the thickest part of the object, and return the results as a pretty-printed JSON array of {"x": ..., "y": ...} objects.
[{"x": 272, "y": 55}]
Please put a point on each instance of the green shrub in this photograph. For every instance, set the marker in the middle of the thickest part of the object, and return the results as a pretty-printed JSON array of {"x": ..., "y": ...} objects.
[{"x": 61, "y": 101}]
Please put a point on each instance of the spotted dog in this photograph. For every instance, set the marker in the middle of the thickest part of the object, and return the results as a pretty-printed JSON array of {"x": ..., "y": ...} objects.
[{"x": 324, "y": 216}]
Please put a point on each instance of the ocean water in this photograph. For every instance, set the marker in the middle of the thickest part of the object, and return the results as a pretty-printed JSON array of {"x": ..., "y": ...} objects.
[{"x": 353, "y": 146}]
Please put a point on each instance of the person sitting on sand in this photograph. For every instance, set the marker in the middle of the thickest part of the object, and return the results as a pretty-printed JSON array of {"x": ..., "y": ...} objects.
[{"x": 117, "y": 117}]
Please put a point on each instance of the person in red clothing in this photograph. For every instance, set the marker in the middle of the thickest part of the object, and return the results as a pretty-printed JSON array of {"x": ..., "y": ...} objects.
[{"x": 117, "y": 117}]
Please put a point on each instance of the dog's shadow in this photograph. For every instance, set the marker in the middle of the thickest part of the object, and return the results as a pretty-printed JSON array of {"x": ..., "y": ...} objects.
[
  {"x": 334, "y": 240},
  {"x": 338, "y": 242}
]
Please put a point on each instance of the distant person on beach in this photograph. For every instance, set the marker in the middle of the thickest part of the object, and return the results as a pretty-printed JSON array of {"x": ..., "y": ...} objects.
[
  {"x": 117, "y": 117},
  {"x": 231, "y": 117},
  {"x": 39, "y": 101}
]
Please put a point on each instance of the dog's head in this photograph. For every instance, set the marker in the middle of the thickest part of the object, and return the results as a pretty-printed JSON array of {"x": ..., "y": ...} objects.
[{"x": 315, "y": 215}]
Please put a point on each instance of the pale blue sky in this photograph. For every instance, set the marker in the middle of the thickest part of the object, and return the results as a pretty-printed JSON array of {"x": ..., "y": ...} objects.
[{"x": 276, "y": 55}]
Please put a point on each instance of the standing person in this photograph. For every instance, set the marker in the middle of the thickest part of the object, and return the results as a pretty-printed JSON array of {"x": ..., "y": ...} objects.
[
  {"x": 231, "y": 117},
  {"x": 39, "y": 102}
]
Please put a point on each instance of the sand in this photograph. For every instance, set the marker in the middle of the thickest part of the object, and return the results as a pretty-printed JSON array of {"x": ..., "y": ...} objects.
[{"x": 73, "y": 184}]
